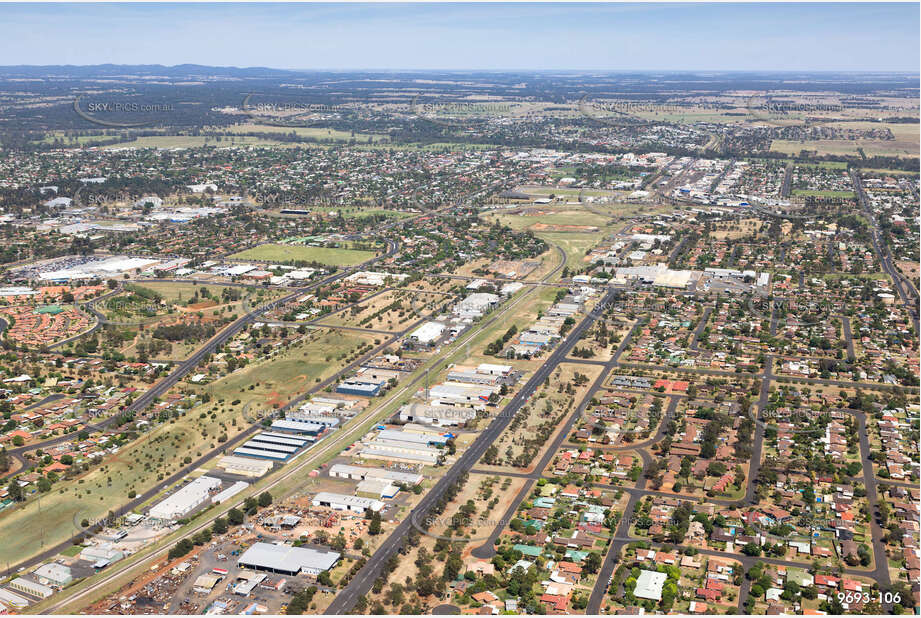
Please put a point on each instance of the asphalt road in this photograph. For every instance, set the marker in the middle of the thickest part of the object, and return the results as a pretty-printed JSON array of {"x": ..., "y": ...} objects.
[
  {"x": 488, "y": 548},
  {"x": 907, "y": 293},
  {"x": 361, "y": 584},
  {"x": 701, "y": 326},
  {"x": 787, "y": 180},
  {"x": 186, "y": 366}
]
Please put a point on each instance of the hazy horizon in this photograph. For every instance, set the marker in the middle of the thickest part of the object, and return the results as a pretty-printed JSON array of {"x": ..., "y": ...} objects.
[
  {"x": 575, "y": 71},
  {"x": 684, "y": 37}
]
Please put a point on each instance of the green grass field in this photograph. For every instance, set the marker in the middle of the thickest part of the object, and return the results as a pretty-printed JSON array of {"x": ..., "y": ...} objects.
[
  {"x": 320, "y": 133},
  {"x": 173, "y": 292},
  {"x": 808, "y": 193},
  {"x": 197, "y": 141},
  {"x": 292, "y": 253},
  {"x": 871, "y": 148},
  {"x": 25, "y": 530},
  {"x": 574, "y": 215},
  {"x": 574, "y": 245}
]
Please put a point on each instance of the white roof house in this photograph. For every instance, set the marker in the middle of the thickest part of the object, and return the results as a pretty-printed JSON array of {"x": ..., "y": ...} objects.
[
  {"x": 649, "y": 585},
  {"x": 380, "y": 488},
  {"x": 240, "y": 269},
  {"x": 11, "y": 599},
  {"x": 366, "y": 277},
  {"x": 494, "y": 370},
  {"x": 58, "y": 202},
  {"x": 102, "y": 552},
  {"x": 441, "y": 416},
  {"x": 246, "y": 466},
  {"x": 476, "y": 304},
  {"x": 464, "y": 394}
]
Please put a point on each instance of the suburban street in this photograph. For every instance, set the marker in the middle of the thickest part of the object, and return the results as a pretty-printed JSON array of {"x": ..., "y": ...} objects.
[{"x": 364, "y": 579}]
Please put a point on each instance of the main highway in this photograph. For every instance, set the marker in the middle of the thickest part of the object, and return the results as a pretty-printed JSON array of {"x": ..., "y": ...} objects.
[
  {"x": 186, "y": 366},
  {"x": 361, "y": 584},
  {"x": 307, "y": 460},
  {"x": 907, "y": 293}
]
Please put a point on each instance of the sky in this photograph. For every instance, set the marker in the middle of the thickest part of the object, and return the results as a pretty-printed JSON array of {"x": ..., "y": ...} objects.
[{"x": 515, "y": 36}]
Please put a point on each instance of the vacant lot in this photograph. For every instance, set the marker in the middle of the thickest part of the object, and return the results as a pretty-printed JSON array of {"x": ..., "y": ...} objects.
[
  {"x": 571, "y": 215},
  {"x": 161, "y": 451},
  {"x": 318, "y": 133},
  {"x": 291, "y": 372},
  {"x": 574, "y": 245},
  {"x": 897, "y": 147},
  {"x": 294, "y": 253},
  {"x": 808, "y": 193},
  {"x": 195, "y": 141}
]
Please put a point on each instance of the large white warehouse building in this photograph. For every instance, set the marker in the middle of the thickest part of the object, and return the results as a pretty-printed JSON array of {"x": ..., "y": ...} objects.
[{"x": 183, "y": 501}]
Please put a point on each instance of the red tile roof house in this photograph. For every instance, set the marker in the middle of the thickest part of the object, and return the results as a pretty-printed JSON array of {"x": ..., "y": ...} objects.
[
  {"x": 577, "y": 540},
  {"x": 570, "y": 491},
  {"x": 19, "y": 432},
  {"x": 708, "y": 594},
  {"x": 851, "y": 585},
  {"x": 485, "y": 597},
  {"x": 724, "y": 482},
  {"x": 570, "y": 570},
  {"x": 826, "y": 581},
  {"x": 555, "y": 602}
]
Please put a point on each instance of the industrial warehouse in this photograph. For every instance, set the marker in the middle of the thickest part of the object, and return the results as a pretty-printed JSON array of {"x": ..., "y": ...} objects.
[
  {"x": 288, "y": 560},
  {"x": 185, "y": 500},
  {"x": 273, "y": 445},
  {"x": 344, "y": 502},
  {"x": 360, "y": 473},
  {"x": 441, "y": 416},
  {"x": 422, "y": 446}
]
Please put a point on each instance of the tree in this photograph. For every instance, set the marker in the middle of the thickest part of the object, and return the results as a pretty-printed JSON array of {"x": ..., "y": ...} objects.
[
  {"x": 235, "y": 517},
  {"x": 14, "y": 490},
  {"x": 180, "y": 549},
  {"x": 751, "y": 549},
  {"x": 219, "y": 526},
  {"x": 265, "y": 499},
  {"x": 453, "y": 566},
  {"x": 592, "y": 562},
  {"x": 395, "y": 597},
  {"x": 375, "y": 526}
]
